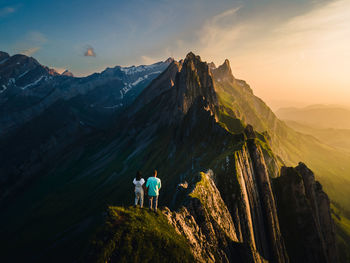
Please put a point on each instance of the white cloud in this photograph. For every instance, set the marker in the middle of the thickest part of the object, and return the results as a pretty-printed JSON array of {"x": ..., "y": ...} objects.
[
  {"x": 217, "y": 36},
  {"x": 148, "y": 60},
  {"x": 35, "y": 37},
  {"x": 224, "y": 14},
  {"x": 30, "y": 43},
  {"x": 7, "y": 11},
  {"x": 30, "y": 51}
]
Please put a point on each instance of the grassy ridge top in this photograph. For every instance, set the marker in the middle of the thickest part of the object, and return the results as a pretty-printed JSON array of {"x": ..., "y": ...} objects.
[{"x": 138, "y": 235}]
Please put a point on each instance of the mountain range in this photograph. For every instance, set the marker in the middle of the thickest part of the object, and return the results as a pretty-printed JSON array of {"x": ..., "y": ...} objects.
[{"x": 238, "y": 183}]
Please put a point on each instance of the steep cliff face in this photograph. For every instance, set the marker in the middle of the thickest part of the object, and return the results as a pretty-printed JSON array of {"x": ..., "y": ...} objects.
[
  {"x": 305, "y": 216},
  {"x": 206, "y": 222},
  {"x": 233, "y": 213},
  {"x": 241, "y": 223},
  {"x": 195, "y": 81},
  {"x": 251, "y": 202},
  {"x": 223, "y": 73},
  {"x": 168, "y": 99},
  {"x": 277, "y": 248}
]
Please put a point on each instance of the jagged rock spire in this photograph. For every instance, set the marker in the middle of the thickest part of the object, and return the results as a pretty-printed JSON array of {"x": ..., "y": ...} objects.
[{"x": 223, "y": 72}]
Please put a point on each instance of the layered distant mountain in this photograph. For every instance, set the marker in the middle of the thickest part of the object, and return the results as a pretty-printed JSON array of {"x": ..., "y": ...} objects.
[
  {"x": 337, "y": 138},
  {"x": 71, "y": 147},
  {"x": 318, "y": 116}
]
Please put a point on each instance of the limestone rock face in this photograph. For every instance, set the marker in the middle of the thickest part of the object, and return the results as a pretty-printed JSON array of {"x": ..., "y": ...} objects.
[
  {"x": 235, "y": 220},
  {"x": 206, "y": 222},
  {"x": 304, "y": 212},
  {"x": 320, "y": 204},
  {"x": 184, "y": 86},
  {"x": 193, "y": 81},
  {"x": 277, "y": 248},
  {"x": 223, "y": 72}
]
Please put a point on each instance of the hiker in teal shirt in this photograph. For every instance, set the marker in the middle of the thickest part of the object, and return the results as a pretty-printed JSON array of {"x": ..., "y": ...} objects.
[{"x": 153, "y": 185}]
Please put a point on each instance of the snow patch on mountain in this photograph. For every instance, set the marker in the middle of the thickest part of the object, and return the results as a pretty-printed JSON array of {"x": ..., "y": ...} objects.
[
  {"x": 114, "y": 106},
  {"x": 155, "y": 72},
  {"x": 3, "y": 88},
  {"x": 138, "y": 81},
  {"x": 33, "y": 83},
  {"x": 3, "y": 61},
  {"x": 11, "y": 81},
  {"x": 126, "y": 89},
  {"x": 132, "y": 70},
  {"x": 20, "y": 76}
]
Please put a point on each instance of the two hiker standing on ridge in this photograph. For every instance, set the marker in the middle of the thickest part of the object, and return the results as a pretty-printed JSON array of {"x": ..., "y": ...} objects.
[{"x": 152, "y": 189}]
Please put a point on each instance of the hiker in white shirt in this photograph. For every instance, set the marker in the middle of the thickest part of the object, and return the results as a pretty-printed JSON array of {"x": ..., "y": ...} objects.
[{"x": 138, "y": 182}]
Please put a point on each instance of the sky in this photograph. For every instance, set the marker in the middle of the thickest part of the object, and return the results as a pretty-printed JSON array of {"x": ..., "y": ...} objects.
[{"x": 291, "y": 52}]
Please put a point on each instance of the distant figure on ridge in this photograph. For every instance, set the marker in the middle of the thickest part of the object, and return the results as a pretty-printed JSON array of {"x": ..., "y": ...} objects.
[
  {"x": 139, "y": 184},
  {"x": 153, "y": 185}
]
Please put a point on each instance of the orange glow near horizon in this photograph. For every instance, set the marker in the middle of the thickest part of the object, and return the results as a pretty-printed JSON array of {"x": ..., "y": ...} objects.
[{"x": 306, "y": 59}]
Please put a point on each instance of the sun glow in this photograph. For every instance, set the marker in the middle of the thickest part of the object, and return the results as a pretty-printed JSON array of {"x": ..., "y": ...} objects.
[{"x": 305, "y": 59}]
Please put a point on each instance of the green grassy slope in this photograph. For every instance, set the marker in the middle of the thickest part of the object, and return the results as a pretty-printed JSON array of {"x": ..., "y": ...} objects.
[{"x": 137, "y": 235}]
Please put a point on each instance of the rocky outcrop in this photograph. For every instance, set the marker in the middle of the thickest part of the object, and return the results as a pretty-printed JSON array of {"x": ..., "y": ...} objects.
[
  {"x": 320, "y": 205},
  {"x": 244, "y": 223},
  {"x": 235, "y": 219},
  {"x": 206, "y": 223},
  {"x": 185, "y": 86},
  {"x": 163, "y": 83},
  {"x": 67, "y": 73},
  {"x": 277, "y": 248},
  {"x": 304, "y": 213},
  {"x": 223, "y": 72},
  {"x": 194, "y": 81}
]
